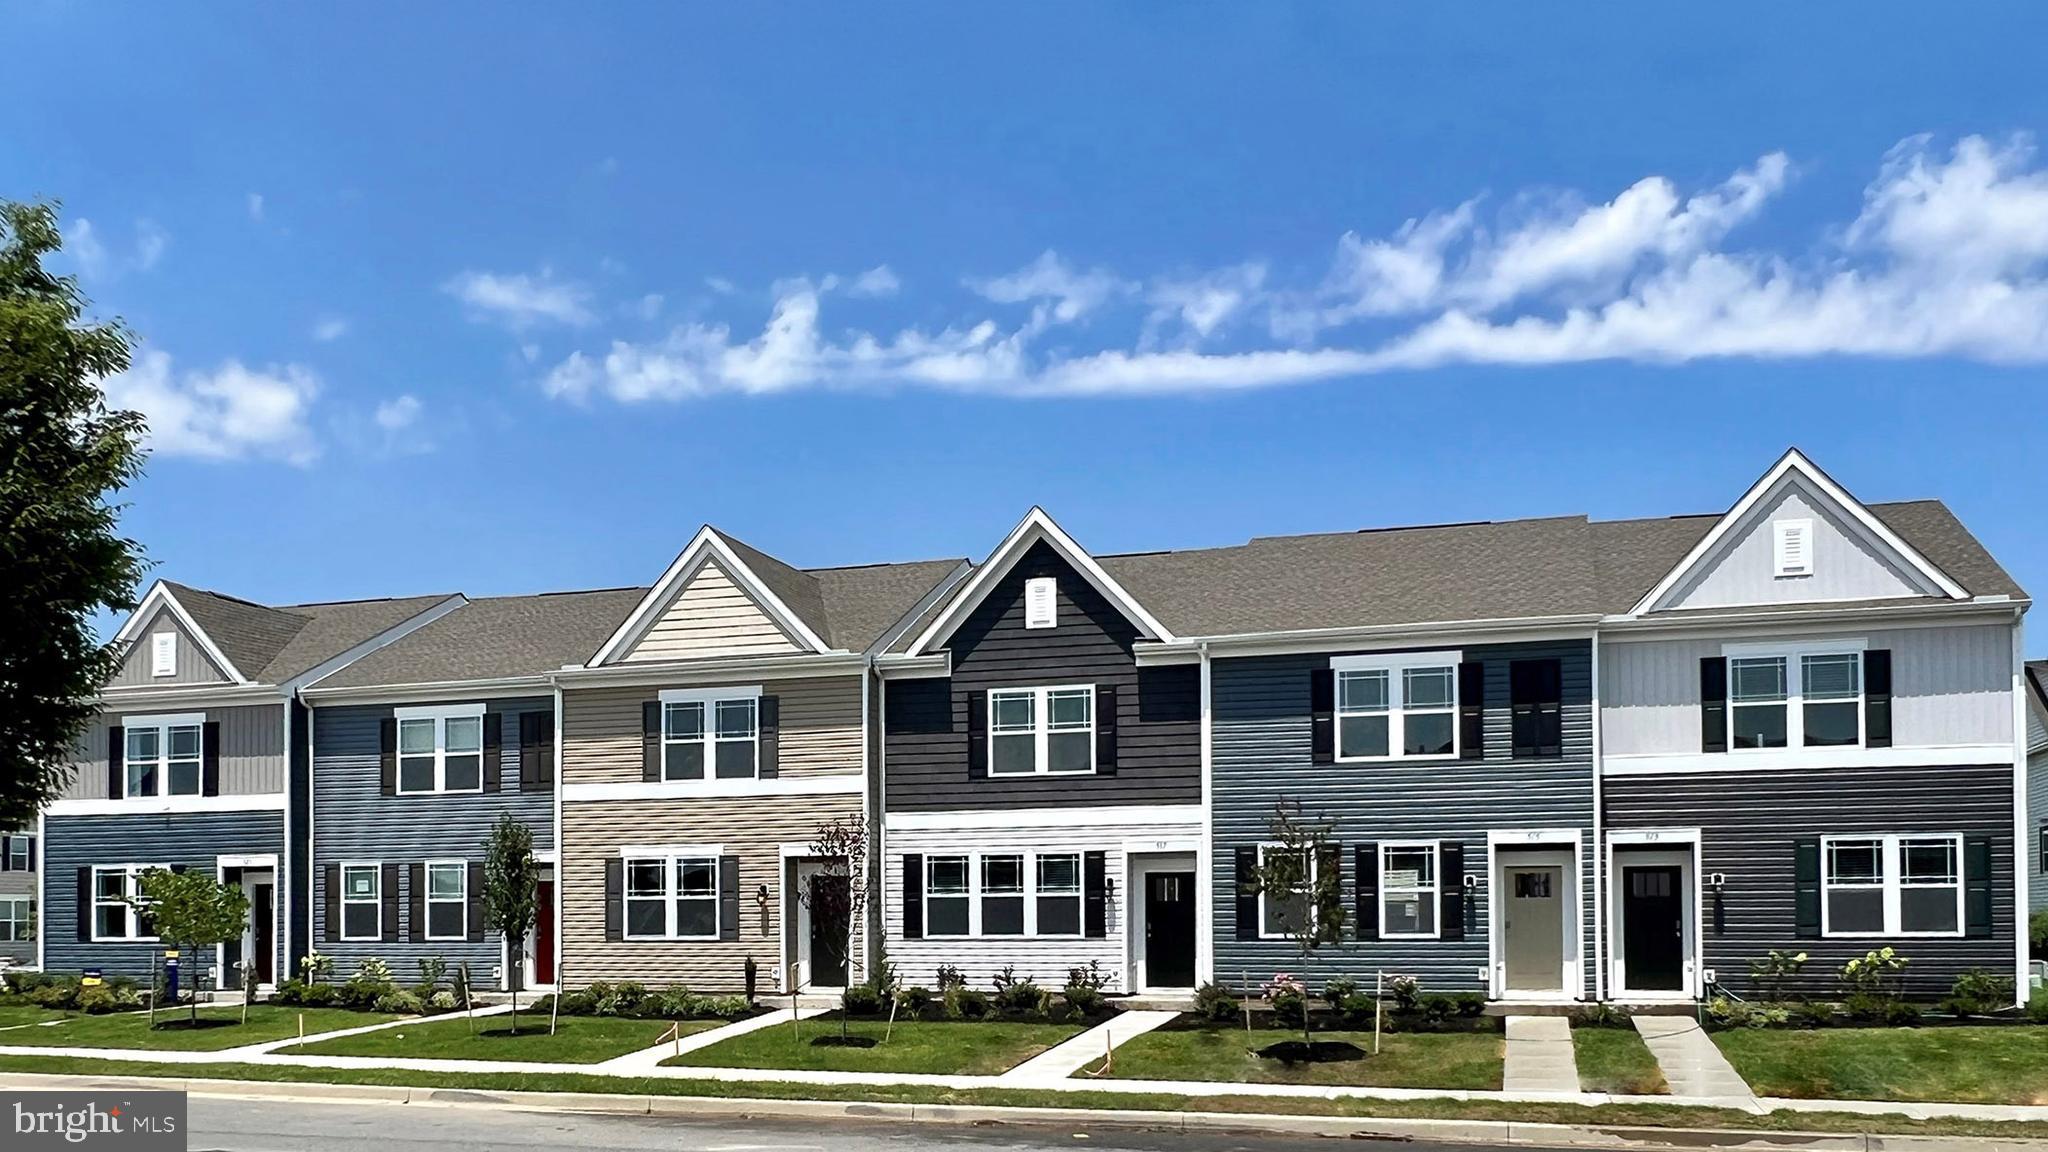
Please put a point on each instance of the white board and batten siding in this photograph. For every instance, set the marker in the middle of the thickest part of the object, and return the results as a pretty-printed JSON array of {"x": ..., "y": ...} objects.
[
  {"x": 711, "y": 615},
  {"x": 1795, "y": 547}
]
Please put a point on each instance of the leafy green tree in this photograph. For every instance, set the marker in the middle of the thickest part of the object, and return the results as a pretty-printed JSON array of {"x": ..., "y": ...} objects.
[
  {"x": 192, "y": 911},
  {"x": 511, "y": 879},
  {"x": 62, "y": 561},
  {"x": 1300, "y": 876}
]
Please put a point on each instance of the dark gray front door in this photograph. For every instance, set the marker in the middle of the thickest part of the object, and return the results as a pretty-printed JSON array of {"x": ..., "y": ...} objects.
[
  {"x": 1170, "y": 929},
  {"x": 1653, "y": 928},
  {"x": 828, "y": 941}
]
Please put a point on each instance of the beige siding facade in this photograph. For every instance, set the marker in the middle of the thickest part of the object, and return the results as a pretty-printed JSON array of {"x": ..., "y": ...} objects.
[
  {"x": 711, "y": 616},
  {"x": 819, "y": 732},
  {"x": 252, "y": 750},
  {"x": 192, "y": 665}
]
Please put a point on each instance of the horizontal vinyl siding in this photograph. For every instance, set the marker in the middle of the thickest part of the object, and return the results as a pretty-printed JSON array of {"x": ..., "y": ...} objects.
[
  {"x": 1261, "y": 754},
  {"x": 754, "y": 829},
  {"x": 354, "y": 821},
  {"x": 1158, "y": 710},
  {"x": 711, "y": 615},
  {"x": 195, "y": 840},
  {"x": 2037, "y": 818},
  {"x": 1748, "y": 822},
  {"x": 818, "y": 729},
  {"x": 252, "y": 752},
  {"x": 192, "y": 664}
]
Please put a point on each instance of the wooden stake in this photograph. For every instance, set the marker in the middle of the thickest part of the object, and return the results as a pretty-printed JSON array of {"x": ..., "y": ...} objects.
[
  {"x": 302, "y": 1029},
  {"x": 1379, "y": 984},
  {"x": 555, "y": 1005}
]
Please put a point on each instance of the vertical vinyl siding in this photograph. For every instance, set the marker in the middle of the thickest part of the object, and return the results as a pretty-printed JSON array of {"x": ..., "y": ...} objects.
[
  {"x": 818, "y": 733},
  {"x": 711, "y": 615},
  {"x": 193, "y": 666},
  {"x": 1158, "y": 714},
  {"x": 252, "y": 751},
  {"x": 1259, "y": 714},
  {"x": 1748, "y": 822},
  {"x": 1844, "y": 568},
  {"x": 354, "y": 821}
]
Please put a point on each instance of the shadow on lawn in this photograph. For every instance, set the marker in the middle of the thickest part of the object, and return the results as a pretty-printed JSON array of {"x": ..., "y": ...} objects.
[{"x": 1316, "y": 1052}]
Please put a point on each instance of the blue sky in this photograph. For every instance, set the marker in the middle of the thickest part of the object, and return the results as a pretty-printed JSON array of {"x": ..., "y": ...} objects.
[{"x": 503, "y": 298}]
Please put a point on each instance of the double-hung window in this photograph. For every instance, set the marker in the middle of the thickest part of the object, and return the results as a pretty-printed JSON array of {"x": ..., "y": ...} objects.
[
  {"x": 947, "y": 896},
  {"x": 1801, "y": 697},
  {"x": 447, "y": 899},
  {"x": 1281, "y": 913},
  {"x": 441, "y": 749},
  {"x": 20, "y": 850},
  {"x": 715, "y": 732},
  {"x": 1397, "y": 707},
  {"x": 1033, "y": 730},
  {"x": 1408, "y": 890},
  {"x": 1002, "y": 895},
  {"x": 1059, "y": 894},
  {"x": 672, "y": 897},
  {"x": 362, "y": 902},
  {"x": 17, "y": 919},
  {"x": 1892, "y": 885},
  {"x": 163, "y": 754},
  {"x": 116, "y": 890}
]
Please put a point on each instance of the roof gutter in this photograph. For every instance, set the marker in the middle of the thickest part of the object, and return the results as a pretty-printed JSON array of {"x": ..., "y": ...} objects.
[
  {"x": 1822, "y": 614},
  {"x": 1187, "y": 649},
  {"x": 433, "y": 690}
]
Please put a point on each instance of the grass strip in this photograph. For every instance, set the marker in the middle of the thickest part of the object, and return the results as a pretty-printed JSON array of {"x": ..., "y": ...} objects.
[{"x": 1616, "y": 1060}]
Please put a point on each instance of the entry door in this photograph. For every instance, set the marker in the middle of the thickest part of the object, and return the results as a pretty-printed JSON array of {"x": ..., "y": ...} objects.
[
  {"x": 263, "y": 919},
  {"x": 540, "y": 968},
  {"x": 824, "y": 939},
  {"x": 1653, "y": 928},
  {"x": 1170, "y": 929},
  {"x": 1533, "y": 934}
]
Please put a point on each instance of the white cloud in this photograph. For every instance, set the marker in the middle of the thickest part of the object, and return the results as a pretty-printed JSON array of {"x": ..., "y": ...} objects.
[
  {"x": 229, "y": 413},
  {"x": 97, "y": 259},
  {"x": 876, "y": 282},
  {"x": 150, "y": 242},
  {"x": 520, "y": 301},
  {"x": 328, "y": 329},
  {"x": 255, "y": 202},
  {"x": 720, "y": 285},
  {"x": 1074, "y": 294},
  {"x": 1202, "y": 305},
  {"x": 398, "y": 413}
]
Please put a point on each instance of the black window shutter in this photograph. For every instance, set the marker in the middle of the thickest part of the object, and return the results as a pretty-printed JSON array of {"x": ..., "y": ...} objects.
[
  {"x": 1977, "y": 920},
  {"x": 544, "y": 753},
  {"x": 389, "y": 895},
  {"x": 769, "y": 712},
  {"x": 1472, "y": 710},
  {"x": 1094, "y": 894},
  {"x": 650, "y": 740},
  {"x": 977, "y": 735},
  {"x": 333, "y": 905},
  {"x": 84, "y": 905},
  {"x": 416, "y": 902},
  {"x": 614, "y": 899},
  {"x": 387, "y": 755},
  {"x": 1713, "y": 704},
  {"x": 529, "y": 750},
  {"x": 1247, "y": 893},
  {"x": 728, "y": 897},
  {"x": 1105, "y": 729},
  {"x": 1365, "y": 860},
  {"x": 1806, "y": 887},
  {"x": 6, "y": 853},
  {"x": 117, "y": 771},
  {"x": 1535, "y": 691},
  {"x": 1877, "y": 698},
  {"x": 494, "y": 751},
  {"x": 1450, "y": 869},
  {"x": 475, "y": 911},
  {"x": 913, "y": 896},
  {"x": 1322, "y": 716},
  {"x": 209, "y": 758}
]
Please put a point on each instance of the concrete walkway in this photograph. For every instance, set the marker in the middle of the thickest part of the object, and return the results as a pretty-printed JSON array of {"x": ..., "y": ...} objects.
[
  {"x": 649, "y": 1059},
  {"x": 1692, "y": 1063},
  {"x": 1540, "y": 1056},
  {"x": 268, "y": 1046},
  {"x": 1063, "y": 1060}
]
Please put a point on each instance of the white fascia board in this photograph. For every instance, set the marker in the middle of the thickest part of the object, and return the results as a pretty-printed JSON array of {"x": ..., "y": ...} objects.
[
  {"x": 706, "y": 545},
  {"x": 160, "y": 595},
  {"x": 399, "y": 631},
  {"x": 924, "y": 604},
  {"x": 180, "y": 696},
  {"x": 1622, "y": 629},
  {"x": 712, "y": 671},
  {"x": 1036, "y": 526},
  {"x": 1795, "y": 461},
  {"x": 936, "y": 666},
  {"x": 1428, "y": 633},
  {"x": 430, "y": 693}
]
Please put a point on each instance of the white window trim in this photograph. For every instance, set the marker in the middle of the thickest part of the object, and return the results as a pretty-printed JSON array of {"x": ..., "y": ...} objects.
[
  {"x": 1041, "y": 729},
  {"x": 1393, "y": 664},
  {"x": 1029, "y": 894},
  {"x": 1893, "y": 858},
  {"x": 709, "y": 698},
  {"x": 669, "y": 894},
  {"x": 1433, "y": 890},
  {"x": 163, "y": 723},
  {"x": 1795, "y": 700},
  {"x": 1079, "y": 896},
  {"x": 131, "y": 886},
  {"x": 972, "y": 895},
  {"x": 19, "y": 843},
  {"x": 427, "y": 900},
  {"x": 376, "y": 868},
  {"x": 1314, "y": 865},
  {"x": 440, "y": 714},
  {"x": 27, "y": 921}
]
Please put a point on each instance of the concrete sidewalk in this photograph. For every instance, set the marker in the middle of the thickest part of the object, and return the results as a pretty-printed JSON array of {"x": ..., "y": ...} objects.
[
  {"x": 649, "y": 1059},
  {"x": 1063, "y": 1060},
  {"x": 1540, "y": 1057},
  {"x": 1692, "y": 1063}
]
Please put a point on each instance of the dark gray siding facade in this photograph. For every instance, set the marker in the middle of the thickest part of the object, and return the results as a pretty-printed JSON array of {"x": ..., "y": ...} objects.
[
  {"x": 194, "y": 839},
  {"x": 1748, "y": 823},
  {"x": 1261, "y": 753},
  {"x": 353, "y": 820},
  {"x": 1158, "y": 759}
]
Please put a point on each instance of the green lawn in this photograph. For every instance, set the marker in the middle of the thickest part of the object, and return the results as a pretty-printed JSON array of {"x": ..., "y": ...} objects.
[
  {"x": 1405, "y": 1059},
  {"x": 1979, "y": 1065},
  {"x": 220, "y": 1028},
  {"x": 17, "y": 1015},
  {"x": 1616, "y": 1060},
  {"x": 577, "y": 1039},
  {"x": 979, "y": 1049}
]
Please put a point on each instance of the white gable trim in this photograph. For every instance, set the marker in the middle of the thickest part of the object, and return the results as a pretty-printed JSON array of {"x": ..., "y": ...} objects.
[
  {"x": 706, "y": 546},
  {"x": 1035, "y": 526},
  {"x": 159, "y": 596},
  {"x": 1850, "y": 508}
]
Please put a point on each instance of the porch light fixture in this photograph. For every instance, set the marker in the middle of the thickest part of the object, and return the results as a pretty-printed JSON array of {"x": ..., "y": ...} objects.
[
  {"x": 1472, "y": 881},
  {"x": 1717, "y": 880}
]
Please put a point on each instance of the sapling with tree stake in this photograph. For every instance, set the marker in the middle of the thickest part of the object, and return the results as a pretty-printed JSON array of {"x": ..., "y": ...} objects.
[
  {"x": 837, "y": 895},
  {"x": 511, "y": 879},
  {"x": 1299, "y": 874},
  {"x": 191, "y": 910}
]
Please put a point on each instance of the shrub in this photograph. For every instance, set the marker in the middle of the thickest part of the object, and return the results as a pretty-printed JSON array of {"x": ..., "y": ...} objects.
[
  {"x": 1084, "y": 988},
  {"x": 1359, "y": 1009},
  {"x": 360, "y": 994},
  {"x": 1216, "y": 1003},
  {"x": 581, "y": 1002},
  {"x": 1338, "y": 990},
  {"x": 861, "y": 1000},
  {"x": 1470, "y": 1005},
  {"x": 53, "y": 995},
  {"x": 1768, "y": 975},
  {"x": 728, "y": 1007},
  {"x": 290, "y": 992},
  {"x": 1288, "y": 999},
  {"x": 433, "y": 969},
  {"x": 400, "y": 1001},
  {"x": 371, "y": 970},
  {"x": 99, "y": 999},
  {"x": 1978, "y": 992},
  {"x": 1811, "y": 1014},
  {"x": 1600, "y": 1016},
  {"x": 2037, "y": 934},
  {"x": 2037, "y": 1008},
  {"x": 676, "y": 1002},
  {"x": 19, "y": 982},
  {"x": 915, "y": 1000},
  {"x": 1880, "y": 1008},
  {"x": 621, "y": 999},
  {"x": 1872, "y": 971},
  {"x": 963, "y": 1003},
  {"x": 950, "y": 978},
  {"x": 884, "y": 979},
  {"x": 316, "y": 967},
  {"x": 443, "y": 1001},
  {"x": 1020, "y": 998},
  {"x": 1407, "y": 993},
  {"x": 1742, "y": 1014},
  {"x": 318, "y": 995}
]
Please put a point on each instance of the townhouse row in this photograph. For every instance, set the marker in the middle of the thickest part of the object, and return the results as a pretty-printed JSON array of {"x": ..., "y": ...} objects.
[{"x": 1561, "y": 759}]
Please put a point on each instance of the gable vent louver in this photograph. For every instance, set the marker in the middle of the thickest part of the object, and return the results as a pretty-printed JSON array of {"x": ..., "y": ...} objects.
[
  {"x": 1793, "y": 554},
  {"x": 1041, "y": 602}
]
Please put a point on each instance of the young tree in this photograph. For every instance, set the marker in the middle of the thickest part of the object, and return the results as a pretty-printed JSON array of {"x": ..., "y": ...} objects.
[
  {"x": 837, "y": 895},
  {"x": 62, "y": 455},
  {"x": 510, "y": 881},
  {"x": 1300, "y": 874},
  {"x": 192, "y": 911}
]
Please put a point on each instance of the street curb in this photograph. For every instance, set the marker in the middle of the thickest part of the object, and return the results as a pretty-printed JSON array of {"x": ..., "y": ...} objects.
[{"x": 1354, "y": 1127}]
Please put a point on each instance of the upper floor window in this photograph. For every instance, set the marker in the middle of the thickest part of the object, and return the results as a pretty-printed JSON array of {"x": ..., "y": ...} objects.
[
  {"x": 716, "y": 732},
  {"x": 441, "y": 749},
  {"x": 1034, "y": 730},
  {"x": 1397, "y": 707},
  {"x": 1892, "y": 885},
  {"x": 672, "y": 897},
  {"x": 163, "y": 754},
  {"x": 116, "y": 893},
  {"x": 1811, "y": 699},
  {"x": 20, "y": 852}
]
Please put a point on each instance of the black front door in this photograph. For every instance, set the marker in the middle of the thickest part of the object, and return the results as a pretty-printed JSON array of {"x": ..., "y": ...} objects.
[
  {"x": 1170, "y": 929},
  {"x": 263, "y": 913},
  {"x": 1653, "y": 928},
  {"x": 828, "y": 941}
]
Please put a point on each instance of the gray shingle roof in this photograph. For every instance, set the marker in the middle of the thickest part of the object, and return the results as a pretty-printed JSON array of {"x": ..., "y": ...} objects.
[
  {"x": 271, "y": 644},
  {"x": 495, "y": 637}
]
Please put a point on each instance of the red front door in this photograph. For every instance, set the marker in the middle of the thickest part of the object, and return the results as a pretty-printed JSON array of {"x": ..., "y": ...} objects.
[{"x": 544, "y": 933}]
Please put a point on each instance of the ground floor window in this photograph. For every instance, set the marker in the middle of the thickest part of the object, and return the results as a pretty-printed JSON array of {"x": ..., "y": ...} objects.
[
  {"x": 447, "y": 900},
  {"x": 362, "y": 902},
  {"x": 1003, "y": 894},
  {"x": 1892, "y": 885},
  {"x": 1408, "y": 890},
  {"x": 115, "y": 916},
  {"x": 1283, "y": 913},
  {"x": 17, "y": 919},
  {"x": 672, "y": 898}
]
